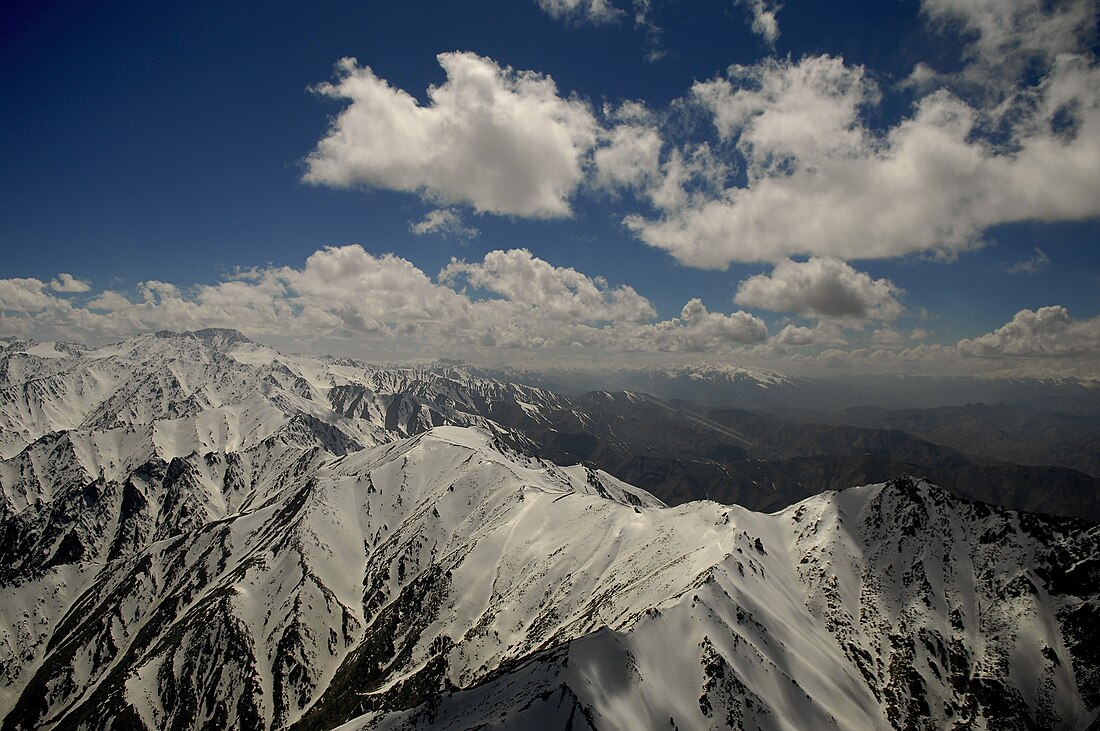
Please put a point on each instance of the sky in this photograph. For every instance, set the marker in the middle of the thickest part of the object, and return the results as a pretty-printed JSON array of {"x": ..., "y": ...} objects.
[{"x": 902, "y": 185}]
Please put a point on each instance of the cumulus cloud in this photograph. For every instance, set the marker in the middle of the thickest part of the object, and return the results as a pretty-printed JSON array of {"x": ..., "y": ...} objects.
[
  {"x": 887, "y": 337},
  {"x": 696, "y": 330},
  {"x": 24, "y": 295},
  {"x": 819, "y": 181},
  {"x": 444, "y": 222},
  {"x": 1034, "y": 265},
  {"x": 764, "y": 23},
  {"x": 821, "y": 287},
  {"x": 500, "y": 140},
  {"x": 66, "y": 282},
  {"x": 108, "y": 301},
  {"x": 561, "y": 292},
  {"x": 384, "y": 306},
  {"x": 1046, "y": 332},
  {"x": 781, "y": 113},
  {"x": 824, "y": 333},
  {"x": 631, "y": 157},
  {"x": 1007, "y": 39}
]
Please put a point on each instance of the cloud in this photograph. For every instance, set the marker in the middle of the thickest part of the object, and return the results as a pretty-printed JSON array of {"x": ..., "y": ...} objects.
[
  {"x": 1006, "y": 40},
  {"x": 819, "y": 181},
  {"x": 23, "y": 295},
  {"x": 562, "y": 292},
  {"x": 631, "y": 158},
  {"x": 603, "y": 12},
  {"x": 824, "y": 333},
  {"x": 346, "y": 299},
  {"x": 887, "y": 337},
  {"x": 763, "y": 14},
  {"x": 780, "y": 113},
  {"x": 444, "y": 222},
  {"x": 1046, "y": 332},
  {"x": 108, "y": 302},
  {"x": 68, "y": 283},
  {"x": 1034, "y": 265},
  {"x": 696, "y": 330},
  {"x": 500, "y": 140},
  {"x": 592, "y": 11},
  {"x": 643, "y": 20},
  {"x": 821, "y": 287},
  {"x": 922, "y": 79}
]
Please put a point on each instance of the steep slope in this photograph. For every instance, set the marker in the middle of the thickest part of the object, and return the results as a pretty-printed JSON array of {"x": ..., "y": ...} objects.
[
  {"x": 178, "y": 395},
  {"x": 885, "y": 606},
  {"x": 445, "y": 579},
  {"x": 197, "y": 531}
]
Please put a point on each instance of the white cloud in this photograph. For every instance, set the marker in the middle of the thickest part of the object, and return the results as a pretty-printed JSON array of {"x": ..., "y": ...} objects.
[
  {"x": 347, "y": 299},
  {"x": 696, "y": 330},
  {"x": 1046, "y": 332},
  {"x": 824, "y": 333},
  {"x": 500, "y": 140},
  {"x": 932, "y": 359},
  {"x": 444, "y": 222},
  {"x": 819, "y": 182},
  {"x": 630, "y": 159},
  {"x": 688, "y": 177},
  {"x": 919, "y": 333},
  {"x": 23, "y": 295},
  {"x": 821, "y": 287},
  {"x": 561, "y": 292},
  {"x": 602, "y": 12},
  {"x": 593, "y": 11},
  {"x": 782, "y": 113},
  {"x": 643, "y": 20},
  {"x": 1006, "y": 38},
  {"x": 68, "y": 283},
  {"x": 887, "y": 337},
  {"x": 923, "y": 78},
  {"x": 108, "y": 302},
  {"x": 1034, "y": 265},
  {"x": 764, "y": 23}
]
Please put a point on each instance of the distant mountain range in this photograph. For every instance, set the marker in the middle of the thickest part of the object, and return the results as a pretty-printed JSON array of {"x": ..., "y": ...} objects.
[{"x": 197, "y": 531}]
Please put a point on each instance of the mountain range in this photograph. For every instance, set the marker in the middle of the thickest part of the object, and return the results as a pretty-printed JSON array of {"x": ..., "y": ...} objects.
[{"x": 198, "y": 531}]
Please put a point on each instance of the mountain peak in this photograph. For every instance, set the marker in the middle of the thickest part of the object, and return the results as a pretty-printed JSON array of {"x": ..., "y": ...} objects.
[{"x": 216, "y": 336}]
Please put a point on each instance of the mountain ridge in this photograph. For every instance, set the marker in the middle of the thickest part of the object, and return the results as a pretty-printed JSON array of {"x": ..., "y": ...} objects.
[{"x": 169, "y": 563}]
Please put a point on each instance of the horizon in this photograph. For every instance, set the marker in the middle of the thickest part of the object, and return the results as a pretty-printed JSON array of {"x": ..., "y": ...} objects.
[{"x": 580, "y": 368}]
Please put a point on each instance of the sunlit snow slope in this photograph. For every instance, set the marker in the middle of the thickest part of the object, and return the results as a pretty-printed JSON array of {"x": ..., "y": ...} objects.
[{"x": 199, "y": 532}]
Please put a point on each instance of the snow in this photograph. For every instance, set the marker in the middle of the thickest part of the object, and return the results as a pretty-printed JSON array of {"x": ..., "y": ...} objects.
[{"x": 247, "y": 532}]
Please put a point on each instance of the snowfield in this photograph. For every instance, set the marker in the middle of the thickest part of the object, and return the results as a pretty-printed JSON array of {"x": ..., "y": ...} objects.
[{"x": 201, "y": 532}]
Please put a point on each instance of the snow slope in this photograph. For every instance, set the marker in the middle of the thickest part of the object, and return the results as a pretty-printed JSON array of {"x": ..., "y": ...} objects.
[{"x": 200, "y": 532}]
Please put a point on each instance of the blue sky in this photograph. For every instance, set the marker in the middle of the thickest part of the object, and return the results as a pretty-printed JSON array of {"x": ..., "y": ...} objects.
[{"x": 907, "y": 185}]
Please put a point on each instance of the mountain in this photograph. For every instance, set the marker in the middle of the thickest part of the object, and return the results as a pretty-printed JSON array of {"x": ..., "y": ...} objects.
[
  {"x": 197, "y": 531},
  {"x": 722, "y": 385},
  {"x": 681, "y": 452},
  {"x": 999, "y": 431},
  {"x": 178, "y": 396},
  {"x": 445, "y": 580}
]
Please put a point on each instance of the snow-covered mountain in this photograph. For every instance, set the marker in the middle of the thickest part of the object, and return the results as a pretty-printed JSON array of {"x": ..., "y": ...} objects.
[{"x": 199, "y": 532}]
